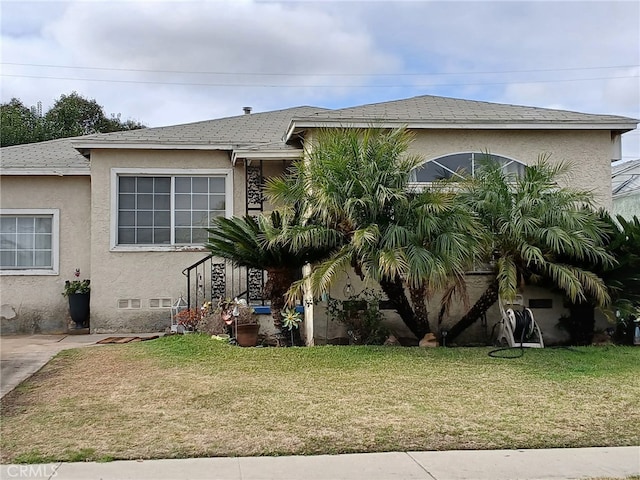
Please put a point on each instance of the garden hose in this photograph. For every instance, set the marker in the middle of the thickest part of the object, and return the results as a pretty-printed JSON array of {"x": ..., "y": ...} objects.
[{"x": 523, "y": 327}]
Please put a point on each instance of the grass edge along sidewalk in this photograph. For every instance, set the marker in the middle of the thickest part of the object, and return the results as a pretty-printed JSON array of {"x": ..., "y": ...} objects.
[{"x": 188, "y": 396}]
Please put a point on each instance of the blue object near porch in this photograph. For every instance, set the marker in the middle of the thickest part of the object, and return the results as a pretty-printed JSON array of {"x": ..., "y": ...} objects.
[{"x": 266, "y": 309}]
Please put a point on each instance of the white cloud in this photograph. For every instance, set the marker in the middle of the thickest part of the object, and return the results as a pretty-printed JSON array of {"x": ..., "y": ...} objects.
[
  {"x": 226, "y": 37},
  {"x": 301, "y": 42}
]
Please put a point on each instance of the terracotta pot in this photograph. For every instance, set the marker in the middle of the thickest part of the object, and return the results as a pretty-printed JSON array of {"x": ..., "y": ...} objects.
[{"x": 247, "y": 335}]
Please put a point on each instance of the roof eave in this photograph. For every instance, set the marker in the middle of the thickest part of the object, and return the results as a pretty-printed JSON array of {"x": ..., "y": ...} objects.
[
  {"x": 264, "y": 154},
  {"x": 57, "y": 172},
  {"x": 84, "y": 145},
  {"x": 386, "y": 123}
]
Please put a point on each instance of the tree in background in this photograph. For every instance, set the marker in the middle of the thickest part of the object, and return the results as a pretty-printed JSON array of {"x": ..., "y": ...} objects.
[
  {"x": 70, "y": 116},
  {"x": 20, "y": 124}
]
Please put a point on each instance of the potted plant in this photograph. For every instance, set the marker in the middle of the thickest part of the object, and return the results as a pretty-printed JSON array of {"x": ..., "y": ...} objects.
[
  {"x": 78, "y": 293},
  {"x": 240, "y": 316}
]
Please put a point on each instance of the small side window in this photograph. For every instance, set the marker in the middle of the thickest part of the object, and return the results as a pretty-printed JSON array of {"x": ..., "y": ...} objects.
[{"x": 29, "y": 242}]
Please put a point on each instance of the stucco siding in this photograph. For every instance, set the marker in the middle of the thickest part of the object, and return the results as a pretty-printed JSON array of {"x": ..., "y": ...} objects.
[
  {"x": 136, "y": 278},
  {"x": 273, "y": 168},
  {"x": 34, "y": 303},
  {"x": 328, "y": 330},
  {"x": 589, "y": 152}
]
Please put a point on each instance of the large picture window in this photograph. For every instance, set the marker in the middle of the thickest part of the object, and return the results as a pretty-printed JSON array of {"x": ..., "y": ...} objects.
[
  {"x": 168, "y": 209},
  {"x": 460, "y": 165},
  {"x": 29, "y": 241}
]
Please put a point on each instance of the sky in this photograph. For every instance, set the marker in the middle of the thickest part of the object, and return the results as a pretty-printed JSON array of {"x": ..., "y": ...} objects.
[{"x": 171, "y": 62}]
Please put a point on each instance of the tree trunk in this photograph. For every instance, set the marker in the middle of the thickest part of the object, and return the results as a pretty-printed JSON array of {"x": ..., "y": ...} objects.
[
  {"x": 486, "y": 300},
  {"x": 394, "y": 289},
  {"x": 278, "y": 282},
  {"x": 418, "y": 299}
]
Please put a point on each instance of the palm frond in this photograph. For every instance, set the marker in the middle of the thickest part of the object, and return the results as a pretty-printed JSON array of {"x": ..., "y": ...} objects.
[{"x": 508, "y": 278}]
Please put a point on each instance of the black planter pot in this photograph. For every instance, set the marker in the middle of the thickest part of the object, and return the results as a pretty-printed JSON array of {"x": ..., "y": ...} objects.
[{"x": 79, "y": 309}]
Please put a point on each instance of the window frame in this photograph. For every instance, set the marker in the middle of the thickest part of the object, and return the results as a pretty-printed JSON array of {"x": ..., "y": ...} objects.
[
  {"x": 227, "y": 173},
  {"x": 473, "y": 159},
  {"x": 54, "y": 213}
]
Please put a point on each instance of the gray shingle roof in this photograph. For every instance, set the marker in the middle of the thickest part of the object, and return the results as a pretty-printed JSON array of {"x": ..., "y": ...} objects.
[
  {"x": 625, "y": 178},
  {"x": 53, "y": 156},
  {"x": 431, "y": 109},
  {"x": 249, "y": 131},
  {"x": 265, "y": 131},
  {"x": 265, "y": 128}
]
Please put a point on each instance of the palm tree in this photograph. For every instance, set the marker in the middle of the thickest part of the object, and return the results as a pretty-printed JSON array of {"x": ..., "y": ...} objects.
[
  {"x": 246, "y": 242},
  {"x": 535, "y": 227},
  {"x": 353, "y": 187}
]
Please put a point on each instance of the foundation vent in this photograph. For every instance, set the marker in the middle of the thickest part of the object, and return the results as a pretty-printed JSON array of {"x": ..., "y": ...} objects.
[
  {"x": 129, "y": 303},
  {"x": 159, "y": 303}
]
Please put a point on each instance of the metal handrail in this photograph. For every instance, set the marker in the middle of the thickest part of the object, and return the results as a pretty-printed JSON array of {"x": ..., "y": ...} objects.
[
  {"x": 187, "y": 272},
  {"x": 201, "y": 264},
  {"x": 197, "y": 264}
]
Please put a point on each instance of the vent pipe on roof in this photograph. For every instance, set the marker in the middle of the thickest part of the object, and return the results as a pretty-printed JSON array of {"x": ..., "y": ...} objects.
[{"x": 246, "y": 110}]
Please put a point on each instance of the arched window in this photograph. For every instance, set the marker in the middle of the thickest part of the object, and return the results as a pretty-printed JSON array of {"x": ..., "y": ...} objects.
[{"x": 459, "y": 165}]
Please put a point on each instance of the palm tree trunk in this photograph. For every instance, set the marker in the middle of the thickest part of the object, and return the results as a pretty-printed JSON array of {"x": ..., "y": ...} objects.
[
  {"x": 394, "y": 290},
  {"x": 486, "y": 300},
  {"x": 278, "y": 282},
  {"x": 418, "y": 299}
]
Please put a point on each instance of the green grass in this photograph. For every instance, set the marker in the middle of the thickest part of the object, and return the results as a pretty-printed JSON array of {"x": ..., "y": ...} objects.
[
  {"x": 32, "y": 456},
  {"x": 184, "y": 396}
]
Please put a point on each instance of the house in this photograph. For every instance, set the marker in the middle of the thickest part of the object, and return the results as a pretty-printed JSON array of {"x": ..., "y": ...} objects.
[
  {"x": 625, "y": 180},
  {"x": 128, "y": 208}
]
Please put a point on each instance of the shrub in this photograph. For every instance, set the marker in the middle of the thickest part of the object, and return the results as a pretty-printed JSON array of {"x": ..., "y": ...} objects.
[{"x": 362, "y": 317}]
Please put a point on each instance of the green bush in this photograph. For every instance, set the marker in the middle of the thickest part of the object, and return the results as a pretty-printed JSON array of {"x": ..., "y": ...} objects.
[{"x": 362, "y": 317}]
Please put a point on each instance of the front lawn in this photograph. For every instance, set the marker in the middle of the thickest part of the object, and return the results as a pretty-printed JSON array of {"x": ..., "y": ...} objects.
[{"x": 184, "y": 396}]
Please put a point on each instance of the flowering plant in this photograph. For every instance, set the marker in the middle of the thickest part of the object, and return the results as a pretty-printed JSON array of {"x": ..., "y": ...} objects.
[
  {"x": 237, "y": 310},
  {"x": 206, "y": 309},
  {"x": 76, "y": 286},
  {"x": 189, "y": 318}
]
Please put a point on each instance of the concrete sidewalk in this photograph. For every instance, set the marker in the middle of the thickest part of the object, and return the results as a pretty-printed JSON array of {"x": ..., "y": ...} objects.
[{"x": 570, "y": 463}]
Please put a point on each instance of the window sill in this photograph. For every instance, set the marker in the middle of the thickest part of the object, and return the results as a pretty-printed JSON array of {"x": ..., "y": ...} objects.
[
  {"x": 32, "y": 272},
  {"x": 158, "y": 248}
]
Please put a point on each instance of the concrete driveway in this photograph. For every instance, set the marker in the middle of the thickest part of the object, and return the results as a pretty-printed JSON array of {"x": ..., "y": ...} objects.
[{"x": 23, "y": 355}]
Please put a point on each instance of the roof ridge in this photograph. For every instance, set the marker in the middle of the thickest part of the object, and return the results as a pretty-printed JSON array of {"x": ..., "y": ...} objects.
[
  {"x": 459, "y": 101},
  {"x": 241, "y": 115}
]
